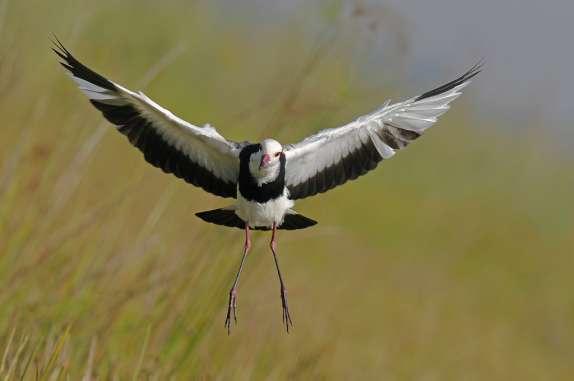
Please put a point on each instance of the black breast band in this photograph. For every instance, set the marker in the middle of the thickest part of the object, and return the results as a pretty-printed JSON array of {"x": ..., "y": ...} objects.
[{"x": 248, "y": 186}]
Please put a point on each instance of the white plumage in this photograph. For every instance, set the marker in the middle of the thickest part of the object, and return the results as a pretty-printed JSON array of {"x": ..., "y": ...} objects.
[{"x": 263, "y": 213}]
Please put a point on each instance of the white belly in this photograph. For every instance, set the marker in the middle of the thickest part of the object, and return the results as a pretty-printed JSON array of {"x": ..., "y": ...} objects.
[{"x": 263, "y": 214}]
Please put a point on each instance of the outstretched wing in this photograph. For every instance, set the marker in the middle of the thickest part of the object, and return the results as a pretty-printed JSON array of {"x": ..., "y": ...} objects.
[
  {"x": 199, "y": 155},
  {"x": 333, "y": 156}
]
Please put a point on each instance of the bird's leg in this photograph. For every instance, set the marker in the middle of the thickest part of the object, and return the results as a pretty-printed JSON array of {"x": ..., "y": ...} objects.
[
  {"x": 232, "y": 306},
  {"x": 286, "y": 316}
]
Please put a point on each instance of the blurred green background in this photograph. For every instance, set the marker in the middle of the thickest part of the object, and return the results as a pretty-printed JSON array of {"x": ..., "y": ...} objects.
[{"x": 451, "y": 261}]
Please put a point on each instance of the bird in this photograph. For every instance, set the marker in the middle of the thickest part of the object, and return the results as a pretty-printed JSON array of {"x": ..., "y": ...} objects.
[{"x": 264, "y": 178}]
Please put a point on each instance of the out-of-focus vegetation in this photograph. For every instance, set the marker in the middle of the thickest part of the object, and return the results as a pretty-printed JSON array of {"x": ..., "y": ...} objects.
[{"x": 451, "y": 261}]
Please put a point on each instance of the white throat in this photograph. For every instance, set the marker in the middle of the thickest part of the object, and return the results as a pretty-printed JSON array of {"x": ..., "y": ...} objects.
[
  {"x": 265, "y": 164},
  {"x": 263, "y": 175}
]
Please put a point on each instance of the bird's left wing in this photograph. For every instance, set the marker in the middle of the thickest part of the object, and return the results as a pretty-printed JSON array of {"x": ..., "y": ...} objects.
[
  {"x": 199, "y": 155},
  {"x": 333, "y": 156}
]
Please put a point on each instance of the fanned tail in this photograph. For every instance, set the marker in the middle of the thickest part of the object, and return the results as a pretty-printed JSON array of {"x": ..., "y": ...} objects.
[{"x": 227, "y": 217}]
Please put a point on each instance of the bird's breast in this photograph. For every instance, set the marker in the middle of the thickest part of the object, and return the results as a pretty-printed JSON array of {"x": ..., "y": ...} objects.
[{"x": 264, "y": 213}]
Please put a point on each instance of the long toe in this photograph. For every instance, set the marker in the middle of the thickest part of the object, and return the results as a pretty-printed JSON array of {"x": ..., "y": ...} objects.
[
  {"x": 286, "y": 315},
  {"x": 231, "y": 310}
]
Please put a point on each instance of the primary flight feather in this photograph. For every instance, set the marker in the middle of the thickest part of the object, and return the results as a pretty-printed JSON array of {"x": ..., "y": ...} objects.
[{"x": 265, "y": 178}]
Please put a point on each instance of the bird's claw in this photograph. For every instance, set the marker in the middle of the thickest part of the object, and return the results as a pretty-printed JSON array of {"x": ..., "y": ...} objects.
[
  {"x": 286, "y": 315},
  {"x": 231, "y": 310}
]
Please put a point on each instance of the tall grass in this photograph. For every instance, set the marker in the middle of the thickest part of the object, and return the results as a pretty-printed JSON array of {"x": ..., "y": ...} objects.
[{"x": 451, "y": 261}]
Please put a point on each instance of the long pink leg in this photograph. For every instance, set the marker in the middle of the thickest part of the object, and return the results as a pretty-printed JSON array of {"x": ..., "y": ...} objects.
[
  {"x": 286, "y": 316},
  {"x": 232, "y": 307}
]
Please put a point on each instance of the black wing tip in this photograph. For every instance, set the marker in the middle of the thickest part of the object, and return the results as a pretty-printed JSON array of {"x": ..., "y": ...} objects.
[
  {"x": 467, "y": 76},
  {"x": 76, "y": 68},
  {"x": 61, "y": 51},
  {"x": 474, "y": 70}
]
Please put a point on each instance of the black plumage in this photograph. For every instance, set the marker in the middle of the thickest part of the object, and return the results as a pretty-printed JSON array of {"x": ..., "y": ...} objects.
[
  {"x": 452, "y": 84},
  {"x": 78, "y": 69}
]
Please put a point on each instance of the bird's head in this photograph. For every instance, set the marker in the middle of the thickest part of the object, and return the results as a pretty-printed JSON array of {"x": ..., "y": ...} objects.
[{"x": 265, "y": 163}]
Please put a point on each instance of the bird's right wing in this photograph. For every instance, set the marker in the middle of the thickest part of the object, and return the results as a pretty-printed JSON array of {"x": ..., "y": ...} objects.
[
  {"x": 332, "y": 157},
  {"x": 199, "y": 155}
]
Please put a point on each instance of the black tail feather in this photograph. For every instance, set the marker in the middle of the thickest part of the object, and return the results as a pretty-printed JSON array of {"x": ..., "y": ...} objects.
[
  {"x": 296, "y": 221},
  {"x": 223, "y": 217},
  {"x": 227, "y": 217}
]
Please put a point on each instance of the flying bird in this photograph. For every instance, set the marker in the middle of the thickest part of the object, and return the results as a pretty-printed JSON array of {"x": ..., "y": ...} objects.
[{"x": 264, "y": 178}]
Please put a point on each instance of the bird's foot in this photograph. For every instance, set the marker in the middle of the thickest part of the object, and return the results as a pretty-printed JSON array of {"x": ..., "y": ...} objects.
[
  {"x": 286, "y": 316},
  {"x": 231, "y": 310}
]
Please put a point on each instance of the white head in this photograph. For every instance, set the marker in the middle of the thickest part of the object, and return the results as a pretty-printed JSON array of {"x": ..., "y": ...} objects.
[{"x": 264, "y": 164}]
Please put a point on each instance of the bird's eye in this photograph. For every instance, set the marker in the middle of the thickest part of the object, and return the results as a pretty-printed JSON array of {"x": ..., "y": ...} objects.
[{"x": 277, "y": 154}]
